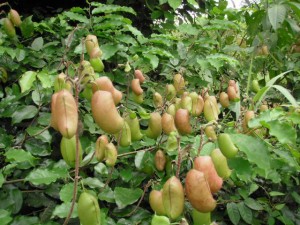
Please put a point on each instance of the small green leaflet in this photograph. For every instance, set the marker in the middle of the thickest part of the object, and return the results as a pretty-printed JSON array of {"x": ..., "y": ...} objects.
[
  {"x": 126, "y": 196},
  {"x": 27, "y": 80},
  {"x": 174, "y": 3},
  {"x": 45, "y": 176},
  {"x": 233, "y": 213},
  {"x": 19, "y": 156}
]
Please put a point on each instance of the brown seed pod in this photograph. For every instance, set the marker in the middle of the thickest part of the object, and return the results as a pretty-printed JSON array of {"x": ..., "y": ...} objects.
[
  {"x": 198, "y": 192},
  {"x": 224, "y": 100},
  {"x": 139, "y": 75},
  {"x": 160, "y": 160},
  {"x": 105, "y": 112},
  {"x": 247, "y": 117},
  {"x": 210, "y": 132},
  {"x": 156, "y": 203},
  {"x": 91, "y": 42},
  {"x": 173, "y": 197},
  {"x": 14, "y": 17},
  {"x": 205, "y": 164},
  {"x": 53, "y": 118},
  {"x": 168, "y": 123},
  {"x": 232, "y": 94},
  {"x": 182, "y": 121},
  {"x": 66, "y": 114},
  {"x": 101, "y": 143},
  {"x": 136, "y": 87}
]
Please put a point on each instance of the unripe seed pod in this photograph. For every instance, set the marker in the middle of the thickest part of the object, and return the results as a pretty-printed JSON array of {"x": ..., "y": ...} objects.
[
  {"x": 97, "y": 64},
  {"x": 263, "y": 108},
  {"x": 210, "y": 110},
  {"x": 14, "y": 17},
  {"x": 96, "y": 52},
  {"x": 173, "y": 197},
  {"x": 154, "y": 126},
  {"x": 105, "y": 112},
  {"x": 233, "y": 84},
  {"x": 124, "y": 135},
  {"x": 160, "y": 220},
  {"x": 172, "y": 142},
  {"x": 168, "y": 124},
  {"x": 232, "y": 94},
  {"x": 178, "y": 82},
  {"x": 224, "y": 100},
  {"x": 157, "y": 100},
  {"x": 210, "y": 132},
  {"x": 66, "y": 114},
  {"x": 156, "y": 203},
  {"x": 134, "y": 125},
  {"x": 205, "y": 165},
  {"x": 172, "y": 110},
  {"x": 186, "y": 102},
  {"x": 198, "y": 192},
  {"x": 182, "y": 121},
  {"x": 139, "y": 75},
  {"x": 88, "y": 210},
  {"x": 111, "y": 154},
  {"x": 136, "y": 87},
  {"x": 160, "y": 160},
  {"x": 177, "y": 102},
  {"x": 197, "y": 104},
  {"x": 247, "y": 117},
  {"x": 137, "y": 98},
  {"x": 170, "y": 92},
  {"x": 226, "y": 145},
  {"x": 101, "y": 143},
  {"x": 255, "y": 86},
  {"x": 91, "y": 42},
  {"x": 9, "y": 28},
  {"x": 220, "y": 163},
  {"x": 68, "y": 150},
  {"x": 200, "y": 218}
]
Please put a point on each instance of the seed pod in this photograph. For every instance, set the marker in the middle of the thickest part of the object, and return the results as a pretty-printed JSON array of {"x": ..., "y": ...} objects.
[
  {"x": 53, "y": 108},
  {"x": 178, "y": 82},
  {"x": 173, "y": 197},
  {"x": 160, "y": 160},
  {"x": 91, "y": 42},
  {"x": 137, "y": 98},
  {"x": 197, "y": 104},
  {"x": 172, "y": 142},
  {"x": 210, "y": 110},
  {"x": 200, "y": 218},
  {"x": 68, "y": 150},
  {"x": 14, "y": 17},
  {"x": 88, "y": 210},
  {"x": 9, "y": 28},
  {"x": 255, "y": 86},
  {"x": 124, "y": 135},
  {"x": 97, "y": 64},
  {"x": 247, "y": 117},
  {"x": 168, "y": 124},
  {"x": 96, "y": 53},
  {"x": 134, "y": 125},
  {"x": 111, "y": 154},
  {"x": 198, "y": 192},
  {"x": 170, "y": 92},
  {"x": 205, "y": 165},
  {"x": 215, "y": 103},
  {"x": 182, "y": 121},
  {"x": 136, "y": 87},
  {"x": 263, "y": 108},
  {"x": 172, "y": 110},
  {"x": 101, "y": 143},
  {"x": 220, "y": 163},
  {"x": 139, "y": 75},
  {"x": 224, "y": 100},
  {"x": 154, "y": 126},
  {"x": 105, "y": 112},
  {"x": 157, "y": 100},
  {"x": 232, "y": 94},
  {"x": 156, "y": 203},
  {"x": 210, "y": 132},
  {"x": 233, "y": 84},
  {"x": 177, "y": 102},
  {"x": 160, "y": 220},
  {"x": 226, "y": 146},
  {"x": 186, "y": 102},
  {"x": 60, "y": 82},
  {"x": 66, "y": 114}
]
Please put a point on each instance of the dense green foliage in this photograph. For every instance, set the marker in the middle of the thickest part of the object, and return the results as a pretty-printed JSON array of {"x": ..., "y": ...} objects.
[{"x": 209, "y": 46}]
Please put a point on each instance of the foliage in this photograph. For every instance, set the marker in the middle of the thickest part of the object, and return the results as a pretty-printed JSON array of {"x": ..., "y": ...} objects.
[{"x": 209, "y": 48}]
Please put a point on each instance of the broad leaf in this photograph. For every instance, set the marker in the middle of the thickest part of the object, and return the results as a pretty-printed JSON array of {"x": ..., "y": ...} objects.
[
  {"x": 245, "y": 212},
  {"x": 23, "y": 113},
  {"x": 126, "y": 196},
  {"x": 19, "y": 156},
  {"x": 252, "y": 204},
  {"x": 66, "y": 192},
  {"x": 233, "y": 213},
  {"x": 63, "y": 210},
  {"x": 174, "y": 3},
  {"x": 283, "y": 131},
  {"x": 45, "y": 176},
  {"x": 154, "y": 60},
  {"x": 5, "y": 217},
  {"x": 276, "y": 15},
  {"x": 37, "y": 44},
  {"x": 27, "y": 80}
]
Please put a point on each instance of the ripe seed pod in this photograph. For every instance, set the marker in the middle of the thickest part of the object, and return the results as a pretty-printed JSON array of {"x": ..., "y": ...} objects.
[
  {"x": 125, "y": 133},
  {"x": 200, "y": 218},
  {"x": 156, "y": 203},
  {"x": 226, "y": 146},
  {"x": 9, "y": 28},
  {"x": 178, "y": 82},
  {"x": 105, "y": 112},
  {"x": 96, "y": 53},
  {"x": 173, "y": 197},
  {"x": 198, "y": 192},
  {"x": 186, "y": 102},
  {"x": 66, "y": 114},
  {"x": 157, "y": 100},
  {"x": 160, "y": 160},
  {"x": 182, "y": 121},
  {"x": 168, "y": 124},
  {"x": 14, "y": 17},
  {"x": 160, "y": 220},
  {"x": 97, "y": 64},
  {"x": 205, "y": 165},
  {"x": 53, "y": 118},
  {"x": 233, "y": 84},
  {"x": 136, "y": 87},
  {"x": 172, "y": 110},
  {"x": 88, "y": 210},
  {"x": 210, "y": 110},
  {"x": 210, "y": 132},
  {"x": 91, "y": 42},
  {"x": 154, "y": 126},
  {"x": 101, "y": 143},
  {"x": 220, "y": 163},
  {"x": 111, "y": 154},
  {"x": 263, "y": 108},
  {"x": 232, "y": 94},
  {"x": 134, "y": 125},
  {"x": 170, "y": 92},
  {"x": 224, "y": 100},
  {"x": 247, "y": 117},
  {"x": 197, "y": 104},
  {"x": 68, "y": 150},
  {"x": 139, "y": 75}
]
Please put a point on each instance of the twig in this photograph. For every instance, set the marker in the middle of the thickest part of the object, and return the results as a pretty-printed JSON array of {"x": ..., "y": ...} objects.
[
  {"x": 131, "y": 153},
  {"x": 14, "y": 181},
  {"x": 179, "y": 157}
]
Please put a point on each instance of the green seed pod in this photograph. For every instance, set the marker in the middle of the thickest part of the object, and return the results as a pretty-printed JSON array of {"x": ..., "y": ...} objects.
[
  {"x": 138, "y": 98},
  {"x": 154, "y": 126},
  {"x": 14, "y": 17},
  {"x": 220, "y": 163},
  {"x": 68, "y": 150},
  {"x": 101, "y": 143},
  {"x": 200, "y": 218},
  {"x": 97, "y": 64},
  {"x": 88, "y": 210},
  {"x": 197, "y": 104},
  {"x": 224, "y": 100},
  {"x": 111, "y": 154},
  {"x": 157, "y": 100},
  {"x": 170, "y": 92},
  {"x": 226, "y": 146},
  {"x": 160, "y": 220},
  {"x": 156, "y": 203},
  {"x": 134, "y": 125},
  {"x": 210, "y": 132},
  {"x": 125, "y": 133},
  {"x": 210, "y": 110},
  {"x": 91, "y": 42},
  {"x": 9, "y": 28},
  {"x": 255, "y": 86}
]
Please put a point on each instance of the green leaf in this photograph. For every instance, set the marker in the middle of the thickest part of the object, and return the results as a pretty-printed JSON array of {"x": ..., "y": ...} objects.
[
  {"x": 107, "y": 195},
  {"x": 245, "y": 212},
  {"x": 37, "y": 44},
  {"x": 126, "y": 196},
  {"x": 63, "y": 210},
  {"x": 19, "y": 156},
  {"x": 20, "y": 54},
  {"x": 93, "y": 182},
  {"x": 109, "y": 50},
  {"x": 66, "y": 192},
  {"x": 24, "y": 112},
  {"x": 188, "y": 29},
  {"x": 154, "y": 60},
  {"x": 27, "y": 80},
  {"x": 77, "y": 17},
  {"x": 45, "y": 79},
  {"x": 286, "y": 94},
  {"x": 192, "y": 2},
  {"x": 276, "y": 14},
  {"x": 5, "y": 217},
  {"x": 233, "y": 213},
  {"x": 44, "y": 136},
  {"x": 174, "y": 3},
  {"x": 139, "y": 159},
  {"x": 27, "y": 27},
  {"x": 103, "y": 8},
  {"x": 276, "y": 193},
  {"x": 1, "y": 179},
  {"x": 242, "y": 168},
  {"x": 44, "y": 176},
  {"x": 252, "y": 204},
  {"x": 283, "y": 131}
]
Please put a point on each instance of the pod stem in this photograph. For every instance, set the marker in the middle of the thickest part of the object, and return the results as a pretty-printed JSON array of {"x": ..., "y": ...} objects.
[{"x": 179, "y": 157}]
